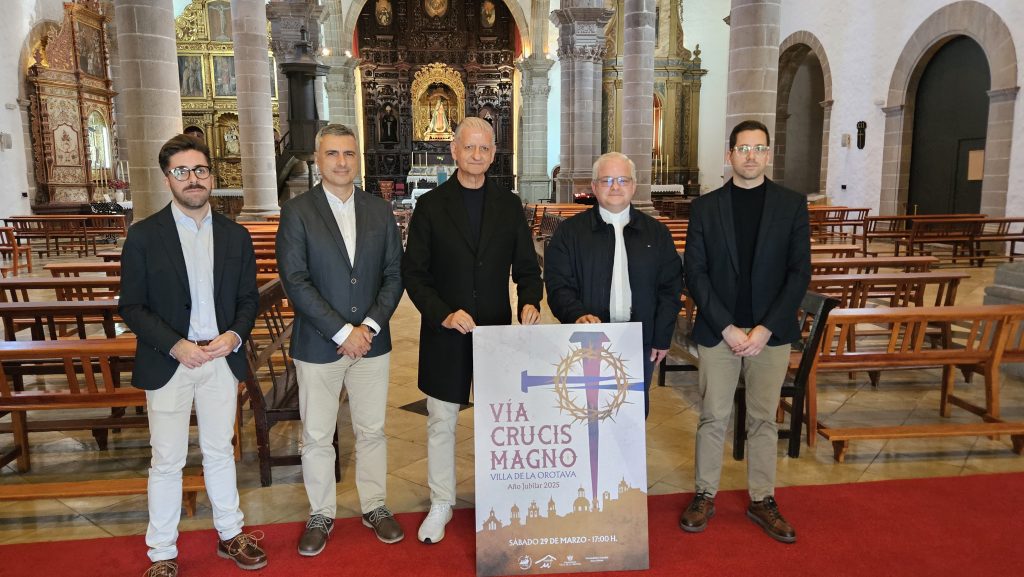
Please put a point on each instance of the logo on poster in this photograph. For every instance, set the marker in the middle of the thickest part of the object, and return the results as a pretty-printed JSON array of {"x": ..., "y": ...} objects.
[
  {"x": 546, "y": 561},
  {"x": 525, "y": 562}
]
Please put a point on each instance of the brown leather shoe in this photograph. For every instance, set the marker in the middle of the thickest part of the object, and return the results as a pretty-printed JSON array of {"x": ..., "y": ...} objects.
[
  {"x": 166, "y": 568},
  {"x": 695, "y": 518},
  {"x": 384, "y": 525},
  {"x": 244, "y": 550},
  {"x": 314, "y": 537},
  {"x": 766, "y": 514}
]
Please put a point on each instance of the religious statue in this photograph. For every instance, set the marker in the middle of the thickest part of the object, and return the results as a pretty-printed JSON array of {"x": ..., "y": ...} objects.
[
  {"x": 388, "y": 126},
  {"x": 384, "y": 12},
  {"x": 231, "y": 147},
  {"x": 487, "y": 14},
  {"x": 439, "y": 123}
]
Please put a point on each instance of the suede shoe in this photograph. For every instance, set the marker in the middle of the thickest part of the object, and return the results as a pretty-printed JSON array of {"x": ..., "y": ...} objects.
[
  {"x": 244, "y": 550},
  {"x": 766, "y": 514},
  {"x": 384, "y": 525},
  {"x": 314, "y": 537},
  {"x": 695, "y": 518},
  {"x": 165, "y": 568}
]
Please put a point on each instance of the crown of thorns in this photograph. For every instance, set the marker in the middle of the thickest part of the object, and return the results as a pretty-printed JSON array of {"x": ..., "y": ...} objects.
[{"x": 567, "y": 401}]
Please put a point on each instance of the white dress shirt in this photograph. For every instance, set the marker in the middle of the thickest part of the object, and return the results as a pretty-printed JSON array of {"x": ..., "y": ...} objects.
[
  {"x": 620, "y": 303},
  {"x": 197, "y": 248},
  {"x": 345, "y": 215}
]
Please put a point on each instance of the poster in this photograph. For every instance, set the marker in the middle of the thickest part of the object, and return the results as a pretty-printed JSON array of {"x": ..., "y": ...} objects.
[{"x": 561, "y": 469}]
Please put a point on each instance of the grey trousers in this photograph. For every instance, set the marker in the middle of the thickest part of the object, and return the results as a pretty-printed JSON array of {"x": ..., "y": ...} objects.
[{"x": 763, "y": 376}]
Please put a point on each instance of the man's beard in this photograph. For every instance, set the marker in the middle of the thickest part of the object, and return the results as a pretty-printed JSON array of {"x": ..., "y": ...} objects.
[{"x": 190, "y": 203}]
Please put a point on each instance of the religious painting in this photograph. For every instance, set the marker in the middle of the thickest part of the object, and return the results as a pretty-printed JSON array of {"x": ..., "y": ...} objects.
[
  {"x": 190, "y": 75},
  {"x": 384, "y": 13},
  {"x": 435, "y": 8},
  {"x": 219, "y": 19},
  {"x": 90, "y": 59},
  {"x": 487, "y": 14},
  {"x": 440, "y": 125},
  {"x": 224, "y": 76}
]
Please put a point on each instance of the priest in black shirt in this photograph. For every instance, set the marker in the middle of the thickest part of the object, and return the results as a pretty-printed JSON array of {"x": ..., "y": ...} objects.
[{"x": 747, "y": 267}]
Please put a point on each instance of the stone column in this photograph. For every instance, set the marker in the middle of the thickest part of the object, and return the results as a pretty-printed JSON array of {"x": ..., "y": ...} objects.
[
  {"x": 637, "y": 91},
  {"x": 255, "y": 119},
  {"x": 534, "y": 184},
  {"x": 754, "y": 29},
  {"x": 149, "y": 90},
  {"x": 580, "y": 52},
  {"x": 120, "y": 144}
]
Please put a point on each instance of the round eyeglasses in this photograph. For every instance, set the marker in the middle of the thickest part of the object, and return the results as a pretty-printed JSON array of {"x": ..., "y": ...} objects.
[{"x": 180, "y": 173}]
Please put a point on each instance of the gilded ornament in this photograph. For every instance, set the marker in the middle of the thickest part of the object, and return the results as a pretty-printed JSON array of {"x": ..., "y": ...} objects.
[
  {"x": 435, "y": 8},
  {"x": 384, "y": 13}
]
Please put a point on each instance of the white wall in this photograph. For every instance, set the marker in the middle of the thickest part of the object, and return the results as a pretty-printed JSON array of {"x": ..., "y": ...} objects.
[
  {"x": 703, "y": 24},
  {"x": 863, "y": 41},
  {"x": 15, "y": 164}
]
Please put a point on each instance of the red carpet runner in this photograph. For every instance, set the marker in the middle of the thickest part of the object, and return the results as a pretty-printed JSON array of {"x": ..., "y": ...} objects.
[{"x": 945, "y": 526}]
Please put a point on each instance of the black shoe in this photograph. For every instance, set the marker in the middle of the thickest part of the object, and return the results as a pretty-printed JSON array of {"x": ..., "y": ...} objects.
[
  {"x": 766, "y": 514},
  {"x": 695, "y": 518},
  {"x": 314, "y": 538}
]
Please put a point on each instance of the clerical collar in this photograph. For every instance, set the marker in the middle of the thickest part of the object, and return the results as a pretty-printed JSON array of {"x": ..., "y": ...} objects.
[{"x": 610, "y": 217}]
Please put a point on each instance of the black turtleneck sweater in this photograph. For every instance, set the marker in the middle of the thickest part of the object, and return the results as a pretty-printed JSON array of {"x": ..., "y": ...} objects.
[{"x": 747, "y": 206}]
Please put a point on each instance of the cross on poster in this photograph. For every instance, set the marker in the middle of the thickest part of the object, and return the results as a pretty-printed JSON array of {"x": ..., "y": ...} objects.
[{"x": 561, "y": 471}]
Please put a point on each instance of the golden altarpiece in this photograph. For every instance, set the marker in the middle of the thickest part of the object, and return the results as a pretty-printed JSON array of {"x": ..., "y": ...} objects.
[
  {"x": 206, "y": 78},
  {"x": 676, "y": 99},
  {"x": 71, "y": 104}
]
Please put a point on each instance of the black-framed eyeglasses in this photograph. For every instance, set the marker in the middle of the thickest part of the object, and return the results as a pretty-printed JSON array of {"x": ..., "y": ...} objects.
[
  {"x": 745, "y": 149},
  {"x": 608, "y": 181},
  {"x": 180, "y": 173}
]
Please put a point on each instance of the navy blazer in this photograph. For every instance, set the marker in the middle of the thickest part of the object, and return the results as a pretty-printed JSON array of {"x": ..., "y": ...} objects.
[
  {"x": 324, "y": 287},
  {"x": 781, "y": 268},
  {"x": 155, "y": 301},
  {"x": 578, "y": 265}
]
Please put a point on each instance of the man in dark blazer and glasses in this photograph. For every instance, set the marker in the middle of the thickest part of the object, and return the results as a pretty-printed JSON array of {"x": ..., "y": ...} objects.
[
  {"x": 747, "y": 264},
  {"x": 188, "y": 292}
]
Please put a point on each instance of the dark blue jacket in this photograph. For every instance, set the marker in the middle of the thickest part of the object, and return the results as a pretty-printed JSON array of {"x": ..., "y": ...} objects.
[{"x": 578, "y": 272}]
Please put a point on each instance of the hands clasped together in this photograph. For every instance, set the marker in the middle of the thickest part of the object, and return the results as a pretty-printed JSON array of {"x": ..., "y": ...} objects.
[
  {"x": 194, "y": 356},
  {"x": 746, "y": 344}
]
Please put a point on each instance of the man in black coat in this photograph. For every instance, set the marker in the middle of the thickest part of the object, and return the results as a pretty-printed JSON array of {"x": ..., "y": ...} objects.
[
  {"x": 339, "y": 252},
  {"x": 188, "y": 292},
  {"x": 748, "y": 265},
  {"x": 614, "y": 263},
  {"x": 464, "y": 237}
]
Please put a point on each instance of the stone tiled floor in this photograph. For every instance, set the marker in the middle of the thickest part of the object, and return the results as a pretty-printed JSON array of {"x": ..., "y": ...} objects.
[{"x": 907, "y": 396}]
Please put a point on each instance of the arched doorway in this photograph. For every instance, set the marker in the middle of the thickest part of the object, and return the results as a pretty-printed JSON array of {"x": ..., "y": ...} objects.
[
  {"x": 987, "y": 29},
  {"x": 802, "y": 115},
  {"x": 950, "y": 119}
]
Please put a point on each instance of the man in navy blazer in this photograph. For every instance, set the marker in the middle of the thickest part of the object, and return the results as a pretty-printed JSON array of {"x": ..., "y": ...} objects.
[
  {"x": 747, "y": 265},
  {"x": 339, "y": 254},
  {"x": 188, "y": 292}
]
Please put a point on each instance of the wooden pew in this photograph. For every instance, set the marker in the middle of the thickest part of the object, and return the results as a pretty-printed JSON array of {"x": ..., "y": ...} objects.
[
  {"x": 989, "y": 330},
  {"x": 957, "y": 235},
  {"x": 896, "y": 289},
  {"x": 76, "y": 269},
  {"x": 11, "y": 247},
  {"x": 60, "y": 288},
  {"x": 872, "y": 264},
  {"x": 896, "y": 227},
  {"x": 271, "y": 387},
  {"x": 996, "y": 233},
  {"x": 92, "y": 379}
]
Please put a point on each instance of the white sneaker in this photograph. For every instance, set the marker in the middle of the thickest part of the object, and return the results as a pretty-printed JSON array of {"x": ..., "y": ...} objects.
[{"x": 432, "y": 528}]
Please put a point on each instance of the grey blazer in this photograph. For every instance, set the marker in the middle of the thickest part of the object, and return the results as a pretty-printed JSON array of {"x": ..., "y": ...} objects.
[{"x": 325, "y": 289}]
